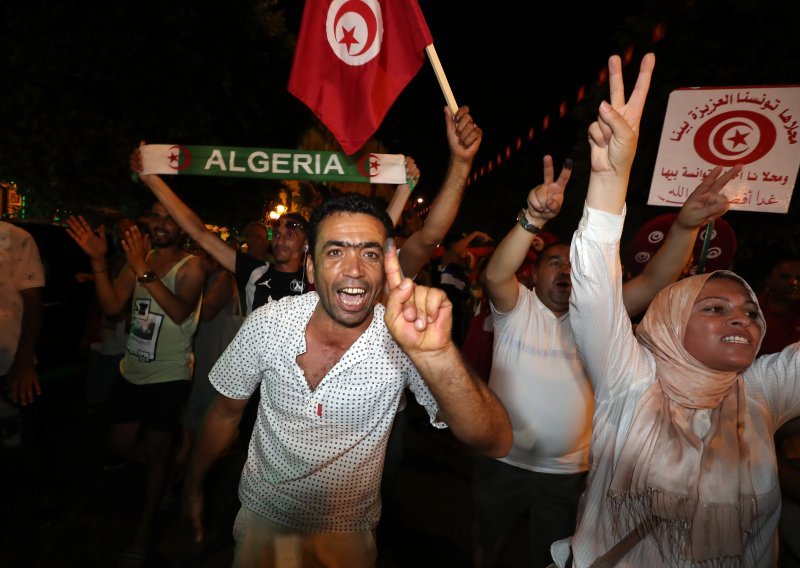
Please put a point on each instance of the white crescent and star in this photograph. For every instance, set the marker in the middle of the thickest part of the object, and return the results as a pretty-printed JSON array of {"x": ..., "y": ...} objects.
[{"x": 354, "y": 29}]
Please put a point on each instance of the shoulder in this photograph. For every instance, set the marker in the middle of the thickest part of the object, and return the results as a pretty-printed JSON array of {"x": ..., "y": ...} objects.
[
  {"x": 247, "y": 263},
  {"x": 282, "y": 319},
  {"x": 14, "y": 235},
  {"x": 190, "y": 264},
  {"x": 290, "y": 308}
]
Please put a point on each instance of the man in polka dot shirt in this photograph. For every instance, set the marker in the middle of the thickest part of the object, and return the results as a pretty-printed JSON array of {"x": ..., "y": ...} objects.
[{"x": 331, "y": 366}]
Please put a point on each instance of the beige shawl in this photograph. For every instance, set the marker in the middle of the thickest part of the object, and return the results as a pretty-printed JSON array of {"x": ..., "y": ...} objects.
[{"x": 693, "y": 495}]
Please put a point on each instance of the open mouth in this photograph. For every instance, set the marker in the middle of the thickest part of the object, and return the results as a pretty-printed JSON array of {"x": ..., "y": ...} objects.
[
  {"x": 352, "y": 298},
  {"x": 738, "y": 339}
]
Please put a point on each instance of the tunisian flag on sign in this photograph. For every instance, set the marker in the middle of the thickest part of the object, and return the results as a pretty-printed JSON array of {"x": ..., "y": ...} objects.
[{"x": 353, "y": 59}]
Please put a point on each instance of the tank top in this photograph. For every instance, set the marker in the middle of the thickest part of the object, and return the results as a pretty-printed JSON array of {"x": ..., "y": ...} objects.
[{"x": 158, "y": 350}]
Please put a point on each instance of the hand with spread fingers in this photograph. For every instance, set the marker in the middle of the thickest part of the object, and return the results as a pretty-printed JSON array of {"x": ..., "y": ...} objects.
[
  {"x": 136, "y": 246},
  {"x": 93, "y": 244}
]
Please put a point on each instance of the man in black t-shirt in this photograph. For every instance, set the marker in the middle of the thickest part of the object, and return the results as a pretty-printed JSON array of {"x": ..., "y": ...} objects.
[{"x": 260, "y": 281}]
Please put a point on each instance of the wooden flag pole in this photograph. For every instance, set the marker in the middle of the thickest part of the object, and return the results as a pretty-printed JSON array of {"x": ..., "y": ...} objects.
[{"x": 445, "y": 86}]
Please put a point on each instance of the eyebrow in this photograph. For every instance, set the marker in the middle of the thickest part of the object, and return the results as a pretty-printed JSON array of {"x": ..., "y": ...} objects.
[
  {"x": 724, "y": 299},
  {"x": 348, "y": 244}
]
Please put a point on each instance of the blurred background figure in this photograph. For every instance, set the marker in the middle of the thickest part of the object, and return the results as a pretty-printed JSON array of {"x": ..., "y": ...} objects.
[
  {"x": 21, "y": 280},
  {"x": 451, "y": 273},
  {"x": 220, "y": 318},
  {"x": 780, "y": 303}
]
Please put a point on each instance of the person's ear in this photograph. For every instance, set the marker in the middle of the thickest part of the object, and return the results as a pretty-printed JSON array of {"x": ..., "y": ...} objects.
[
  {"x": 309, "y": 267},
  {"x": 305, "y": 248}
]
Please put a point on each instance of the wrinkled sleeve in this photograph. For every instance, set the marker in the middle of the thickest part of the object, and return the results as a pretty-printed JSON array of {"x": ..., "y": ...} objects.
[
  {"x": 777, "y": 374},
  {"x": 600, "y": 324},
  {"x": 238, "y": 371},
  {"x": 27, "y": 268}
]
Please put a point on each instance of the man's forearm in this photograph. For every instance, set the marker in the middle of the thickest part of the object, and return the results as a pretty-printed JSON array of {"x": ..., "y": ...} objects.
[
  {"x": 216, "y": 435},
  {"x": 190, "y": 222},
  {"x": 471, "y": 410},
  {"x": 445, "y": 206},
  {"x": 419, "y": 246},
  {"x": 508, "y": 256}
]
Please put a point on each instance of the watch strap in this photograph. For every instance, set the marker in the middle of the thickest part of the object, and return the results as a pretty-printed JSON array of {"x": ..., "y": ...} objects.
[
  {"x": 148, "y": 276},
  {"x": 522, "y": 219}
]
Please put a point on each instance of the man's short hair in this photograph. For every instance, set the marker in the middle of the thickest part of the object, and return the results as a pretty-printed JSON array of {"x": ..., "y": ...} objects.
[
  {"x": 353, "y": 203},
  {"x": 547, "y": 247},
  {"x": 297, "y": 218}
]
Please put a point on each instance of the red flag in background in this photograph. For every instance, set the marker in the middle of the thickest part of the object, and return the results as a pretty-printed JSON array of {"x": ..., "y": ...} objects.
[{"x": 353, "y": 59}]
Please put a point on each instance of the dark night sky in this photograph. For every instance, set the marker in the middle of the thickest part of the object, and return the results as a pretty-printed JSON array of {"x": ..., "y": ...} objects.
[{"x": 82, "y": 86}]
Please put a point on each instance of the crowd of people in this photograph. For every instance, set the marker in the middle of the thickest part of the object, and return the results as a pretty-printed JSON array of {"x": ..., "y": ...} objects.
[{"x": 642, "y": 421}]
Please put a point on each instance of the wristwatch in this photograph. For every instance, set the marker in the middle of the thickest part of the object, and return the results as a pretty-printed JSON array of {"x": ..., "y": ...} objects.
[
  {"x": 522, "y": 219},
  {"x": 148, "y": 276}
]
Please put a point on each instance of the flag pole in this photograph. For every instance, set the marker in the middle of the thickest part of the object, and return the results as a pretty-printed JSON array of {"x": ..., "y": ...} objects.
[
  {"x": 445, "y": 86},
  {"x": 701, "y": 267}
]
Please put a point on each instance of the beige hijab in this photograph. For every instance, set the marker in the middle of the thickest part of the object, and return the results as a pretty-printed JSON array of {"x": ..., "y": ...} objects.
[{"x": 693, "y": 494}]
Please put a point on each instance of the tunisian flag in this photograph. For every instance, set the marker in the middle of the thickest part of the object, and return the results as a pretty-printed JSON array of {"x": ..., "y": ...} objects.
[{"x": 353, "y": 59}]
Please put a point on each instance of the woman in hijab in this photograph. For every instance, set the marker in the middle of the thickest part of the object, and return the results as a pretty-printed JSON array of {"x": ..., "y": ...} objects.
[{"x": 683, "y": 464}]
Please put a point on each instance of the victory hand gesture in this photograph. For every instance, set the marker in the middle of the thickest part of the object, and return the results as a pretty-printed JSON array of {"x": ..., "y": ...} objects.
[
  {"x": 545, "y": 200},
  {"x": 613, "y": 137},
  {"x": 706, "y": 202}
]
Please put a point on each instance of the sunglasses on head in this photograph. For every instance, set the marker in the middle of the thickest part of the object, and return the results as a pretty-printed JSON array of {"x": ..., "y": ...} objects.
[{"x": 290, "y": 225}]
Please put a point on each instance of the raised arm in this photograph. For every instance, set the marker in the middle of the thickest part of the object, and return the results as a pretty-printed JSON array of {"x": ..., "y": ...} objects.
[
  {"x": 180, "y": 304},
  {"x": 599, "y": 322},
  {"x": 704, "y": 204},
  {"x": 112, "y": 296},
  {"x": 403, "y": 191},
  {"x": 464, "y": 139},
  {"x": 186, "y": 219},
  {"x": 544, "y": 203},
  {"x": 419, "y": 318},
  {"x": 614, "y": 135}
]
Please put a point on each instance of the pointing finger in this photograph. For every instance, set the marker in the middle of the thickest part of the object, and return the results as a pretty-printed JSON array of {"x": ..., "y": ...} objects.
[{"x": 391, "y": 264}]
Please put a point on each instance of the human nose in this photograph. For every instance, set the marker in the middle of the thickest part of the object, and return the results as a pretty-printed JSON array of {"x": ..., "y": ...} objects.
[
  {"x": 741, "y": 318},
  {"x": 352, "y": 265}
]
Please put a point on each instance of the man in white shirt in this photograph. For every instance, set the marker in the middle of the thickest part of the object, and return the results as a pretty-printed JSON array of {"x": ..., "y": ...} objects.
[
  {"x": 331, "y": 366},
  {"x": 537, "y": 373},
  {"x": 21, "y": 281}
]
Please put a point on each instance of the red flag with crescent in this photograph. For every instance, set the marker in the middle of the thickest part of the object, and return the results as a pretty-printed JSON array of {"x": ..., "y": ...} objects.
[{"x": 353, "y": 59}]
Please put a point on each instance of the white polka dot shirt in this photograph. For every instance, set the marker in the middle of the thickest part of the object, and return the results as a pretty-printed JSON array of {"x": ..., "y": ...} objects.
[{"x": 316, "y": 456}]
